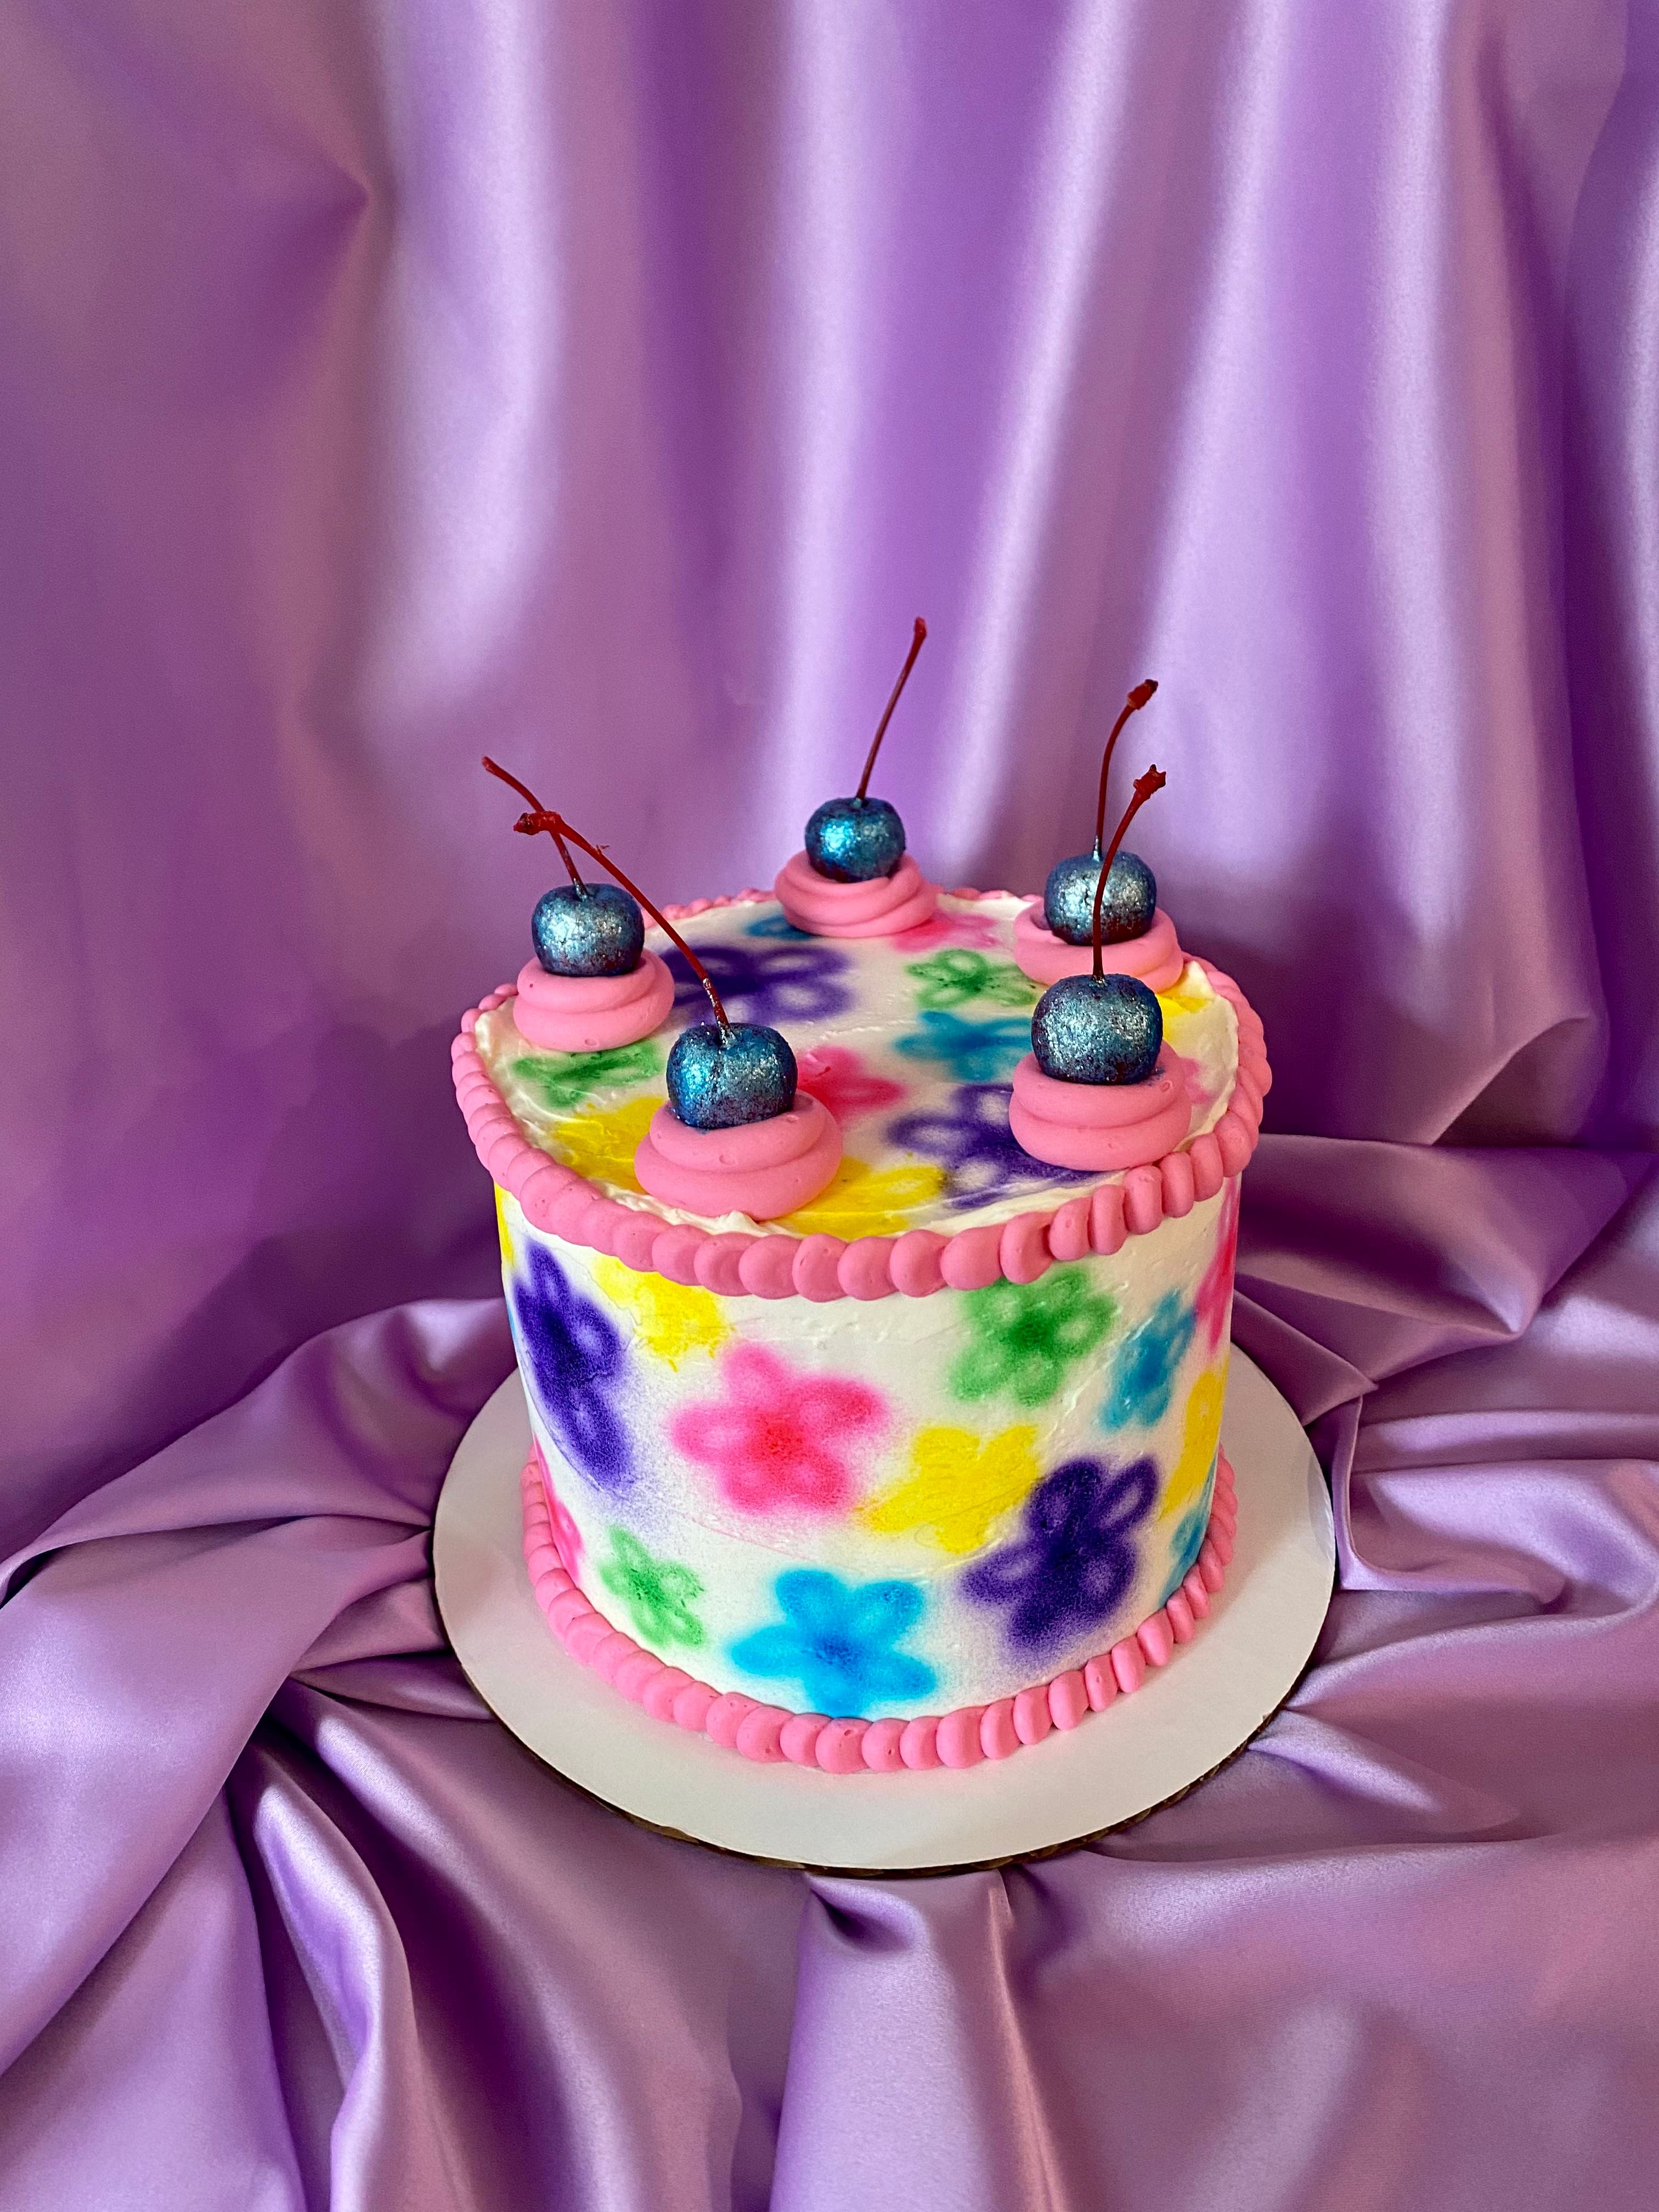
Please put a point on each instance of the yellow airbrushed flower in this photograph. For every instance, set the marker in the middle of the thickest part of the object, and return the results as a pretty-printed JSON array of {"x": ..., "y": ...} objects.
[
  {"x": 959, "y": 1486},
  {"x": 866, "y": 1201},
  {"x": 504, "y": 1231},
  {"x": 671, "y": 1319},
  {"x": 1178, "y": 1001},
  {"x": 602, "y": 1146},
  {"x": 1199, "y": 1436}
]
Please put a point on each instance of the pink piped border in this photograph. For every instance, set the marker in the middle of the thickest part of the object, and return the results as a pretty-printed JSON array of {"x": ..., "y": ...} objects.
[
  {"x": 963, "y": 1738},
  {"x": 561, "y": 1203}
]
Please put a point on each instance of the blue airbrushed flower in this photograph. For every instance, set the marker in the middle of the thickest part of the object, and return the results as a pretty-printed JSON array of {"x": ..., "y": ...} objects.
[
  {"x": 836, "y": 1640},
  {"x": 767, "y": 983},
  {"x": 777, "y": 925},
  {"x": 974, "y": 1052},
  {"x": 1187, "y": 1543},
  {"x": 1076, "y": 1559},
  {"x": 976, "y": 1148},
  {"x": 576, "y": 1365},
  {"x": 1144, "y": 1372}
]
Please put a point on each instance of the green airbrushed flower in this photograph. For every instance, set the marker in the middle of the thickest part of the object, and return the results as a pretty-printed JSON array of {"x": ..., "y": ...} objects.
[
  {"x": 658, "y": 1593},
  {"x": 958, "y": 978},
  {"x": 1028, "y": 1336},
  {"x": 562, "y": 1079}
]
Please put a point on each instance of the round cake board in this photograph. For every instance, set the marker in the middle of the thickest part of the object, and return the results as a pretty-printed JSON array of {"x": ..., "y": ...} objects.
[{"x": 1186, "y": 1720}]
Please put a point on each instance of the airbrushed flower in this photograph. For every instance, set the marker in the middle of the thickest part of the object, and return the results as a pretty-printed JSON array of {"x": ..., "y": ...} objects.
[
  {"x": 980, "y": 1153},
  {"x": 780, "y": 1437},
  {"x": 1144, "y": 1372},
  {"x": 566, "y": 1536},
  {"x": 1215, "y": 1291},
  {"x": 960, "y": 1486},
  {"x": 563, "y": 1079},
  {"x": 947, "y": 926},
  {"x": 973, "y": 1052},
  {"x": 865, "y": 1201},
  {"x": 1075, "y": 1561},
  {"x": 1186, "y": 1544},
  {"x": 576, "y": 1366},
  {"x": 767, "y": 983},
  {"x": 837, "y": 1640},
  {"x": 844, "y": 1084},
  {"x": 658, "y": 1593},
  {"x": 601, "y": 1146},
  {"x": 672, "y": 1320},
  {"x": 955, "y": 979},
  {"x": 1027, "y": 1337}
]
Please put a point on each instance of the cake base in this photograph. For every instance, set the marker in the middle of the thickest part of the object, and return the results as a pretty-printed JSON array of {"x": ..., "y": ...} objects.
[{"x": 1185, "y": 1720}]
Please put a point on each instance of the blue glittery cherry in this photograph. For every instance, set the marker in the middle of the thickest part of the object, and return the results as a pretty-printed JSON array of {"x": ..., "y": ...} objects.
[
  {"x": 720, "y": 1076},
  {"x": 1131, "y": 899},
  {"x": 1101, "y": 1028},
  {"x": 853, "y": 841},
  {"x": 578, "y": 928}
]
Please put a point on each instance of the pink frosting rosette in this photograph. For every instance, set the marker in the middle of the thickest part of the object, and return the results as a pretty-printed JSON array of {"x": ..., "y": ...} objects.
[
  {"x": 1102, "y": 1126},
  {"x": 880, "y": 907},
  {"x": 1155, "y": 957},
  {"x": 761, "y": 1169},
  {"x": 592, "y": 1013}
]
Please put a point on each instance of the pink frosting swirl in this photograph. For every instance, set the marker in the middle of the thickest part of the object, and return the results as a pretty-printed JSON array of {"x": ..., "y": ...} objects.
[
  {"x": 761, "y": 1169},
  {"x": 1156, "y": 958},
  {"x": 879, "y": 908},
  {"x": 1103, "y": 1126},
  {"x": 592, "y": 1013}
]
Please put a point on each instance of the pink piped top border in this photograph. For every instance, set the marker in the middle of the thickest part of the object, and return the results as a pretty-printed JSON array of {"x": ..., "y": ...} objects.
[
  {"x": 560, "y": 1202},
  {"x": 963, "y": 1738}
]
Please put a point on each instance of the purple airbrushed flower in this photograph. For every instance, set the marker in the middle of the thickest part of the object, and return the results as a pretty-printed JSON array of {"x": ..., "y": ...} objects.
[
  {"x": 767, "y": 983},
  {"x": 577, "y": 1364},
  {"x": 1076, "y": 1559},
  {"x": 979, "y": 1153}
]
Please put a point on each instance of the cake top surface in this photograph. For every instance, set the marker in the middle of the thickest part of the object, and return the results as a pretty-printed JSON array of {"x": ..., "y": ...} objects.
[{"x": 910, "y": 1042}]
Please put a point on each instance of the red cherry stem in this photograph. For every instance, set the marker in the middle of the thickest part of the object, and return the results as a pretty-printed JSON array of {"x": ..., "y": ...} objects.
[
  {"x": 525, "y": 791},
  {"x": 530, "y": 824},
  {"x": 1146, "y": 788},
  {"x": 1132, "y": 705},
  {"x": 916, "y": 643}
]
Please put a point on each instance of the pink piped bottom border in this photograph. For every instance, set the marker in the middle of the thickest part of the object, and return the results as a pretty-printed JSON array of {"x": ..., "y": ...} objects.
[{"x": 963, "y": 1738}]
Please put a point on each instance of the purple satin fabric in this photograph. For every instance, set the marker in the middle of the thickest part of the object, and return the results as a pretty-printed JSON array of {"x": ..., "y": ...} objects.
[{"x": 608, "y": 387}]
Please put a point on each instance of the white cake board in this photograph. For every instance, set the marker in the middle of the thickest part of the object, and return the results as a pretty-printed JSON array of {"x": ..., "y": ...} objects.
[{"x": 1183, "y": 1722}]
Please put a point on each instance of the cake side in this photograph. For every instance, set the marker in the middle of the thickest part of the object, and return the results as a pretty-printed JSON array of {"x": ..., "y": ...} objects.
[{"x": 951, "y": 1496}]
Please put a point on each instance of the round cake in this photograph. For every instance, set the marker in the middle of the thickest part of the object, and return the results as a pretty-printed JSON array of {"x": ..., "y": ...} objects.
[{"x": 931, "y": 1465}]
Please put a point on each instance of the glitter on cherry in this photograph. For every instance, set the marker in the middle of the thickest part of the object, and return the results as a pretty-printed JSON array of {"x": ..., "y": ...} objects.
[{"x": 1099, "y": 1028}]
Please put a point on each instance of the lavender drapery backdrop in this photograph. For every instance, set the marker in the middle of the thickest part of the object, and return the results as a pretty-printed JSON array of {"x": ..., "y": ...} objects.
[{"x": 610, "y": 385}]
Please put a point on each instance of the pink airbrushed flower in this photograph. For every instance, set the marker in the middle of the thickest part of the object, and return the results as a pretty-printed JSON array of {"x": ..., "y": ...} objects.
[
  {"x": 566, "y": 1536},
  {"x": 839, "y": 1081},
  {"x": 779, "y": 1438},
  {"x": 1215, "y": 1289},
  {"x": 942, "y": 928}
]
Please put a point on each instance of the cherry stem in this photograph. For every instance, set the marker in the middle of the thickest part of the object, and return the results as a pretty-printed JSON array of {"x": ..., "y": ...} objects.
[
  {"x": 1146, "y": 787},
  {"x": 1132, "y": 705},
  {"x": 530, "y": 824},
  {"x": 916, "y": 643},
  {"x": 525, "y": 791}
]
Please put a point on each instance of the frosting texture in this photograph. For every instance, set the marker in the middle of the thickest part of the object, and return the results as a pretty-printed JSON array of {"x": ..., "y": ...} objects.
[
  {"x": 592, "y": 1013},
  {"x": 760, "y": 1169},
  {"x": 1156, "y": 958},
  {"x": 880, "y": 907}
]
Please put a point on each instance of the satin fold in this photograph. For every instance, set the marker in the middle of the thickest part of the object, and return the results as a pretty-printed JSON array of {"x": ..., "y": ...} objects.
[{"x": 385, "y": 381}]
